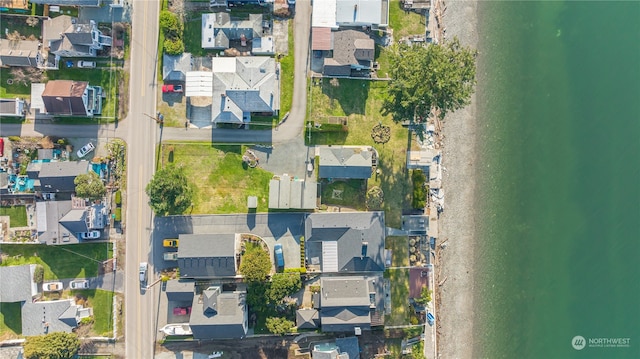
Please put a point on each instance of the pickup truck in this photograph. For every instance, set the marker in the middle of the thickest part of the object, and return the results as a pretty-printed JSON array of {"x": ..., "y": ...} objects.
[
  {"x": 171, "y": 243},
  {"x": 172, "y": 88},
  {"x": 170, "y": 256},
  {"x": 143, "y": 272}
]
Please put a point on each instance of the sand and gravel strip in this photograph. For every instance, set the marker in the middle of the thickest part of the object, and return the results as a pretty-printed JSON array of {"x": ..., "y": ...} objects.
[{"x": 458, "y": 222}]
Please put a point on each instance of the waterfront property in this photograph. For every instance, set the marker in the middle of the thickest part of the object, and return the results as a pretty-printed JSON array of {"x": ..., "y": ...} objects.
[{"x": 345, "y": 162}]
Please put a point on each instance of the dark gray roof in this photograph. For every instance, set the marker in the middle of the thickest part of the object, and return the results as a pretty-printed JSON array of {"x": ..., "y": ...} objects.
[
  {"x": 307, "y": 318},
  {"x": 351, "y": 49},
  {"x": 75, "y": 221},
  {"x": 345, "y": 162},
  {"x": 50, "y": 229},
  {"x": 350, "y": 346},
  {"x": 227, "y": 321},
  {"x": 68, "y": 2},
  {"x": 220, "y": 28},
  {"x": 358, "y": 237},
  {"x": 59, "y": 176},
  {"x": 347, "y": 301},
  {"x": 17, "y": 284},
  {"x": 207, "y": 255},
  {"x": 180, "y": 291},
  {"x": 60, "y": 316},
  {"x": 174, "y": 68}
]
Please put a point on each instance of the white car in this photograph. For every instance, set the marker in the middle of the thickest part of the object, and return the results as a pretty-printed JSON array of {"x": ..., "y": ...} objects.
[
  {"x": 85, "y": 150},
  {"x": 86, "y": 64},
  {"x": 143, "y": 271},
  {"x": 90, "y": 235},
  {"x": 79, "y": 284},
  {"x": 52, "y": 286},
  {"x": 215, "y": 355}
]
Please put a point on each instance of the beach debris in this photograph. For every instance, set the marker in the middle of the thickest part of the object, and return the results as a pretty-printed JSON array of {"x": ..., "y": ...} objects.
[{"x": 442, "y": 281}]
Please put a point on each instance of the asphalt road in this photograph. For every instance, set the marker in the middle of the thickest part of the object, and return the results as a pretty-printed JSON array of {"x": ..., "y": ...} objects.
[{"x": 142, "y": 136}]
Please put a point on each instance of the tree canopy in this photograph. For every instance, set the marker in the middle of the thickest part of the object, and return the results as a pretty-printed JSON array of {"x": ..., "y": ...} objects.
[
  {"x": 58, "y": 345},
  {"x": 255, "y": 265},
  {"x": 169, "y": 191},
  {"x": 89, "y": 185},
  {"x": 277, "y": 325},
  {"x": 282, "y": 285},
  {"x": 440, "y": 77}
]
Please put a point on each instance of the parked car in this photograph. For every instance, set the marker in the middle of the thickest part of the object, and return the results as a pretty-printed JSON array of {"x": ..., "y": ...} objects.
[
  {"x": 279, "y": 255},
  {"x": 173, "y": 243},
  {"x": 431, "y": 319},
  {"x": 86, "y": 64},
  {"x": 143, "y": 271},
  {"x": 291, "y": 2},
  {"x": 172, "y": 88},
  {"x": 215, "y": 355},
  {"x": 90, "y": 235},
  {"x": 170, "y": 256},
  {"x": 85, "y": 150},
  {"x": 52, "y": 286},
  {"x": 79, "y": 284}
]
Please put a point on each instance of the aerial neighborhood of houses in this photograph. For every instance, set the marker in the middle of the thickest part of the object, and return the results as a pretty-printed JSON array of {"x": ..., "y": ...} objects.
[{"x": 311, "y": 212}]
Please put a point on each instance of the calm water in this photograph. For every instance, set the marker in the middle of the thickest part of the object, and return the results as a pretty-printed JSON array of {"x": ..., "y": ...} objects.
[{"x": 559, "y": 245}]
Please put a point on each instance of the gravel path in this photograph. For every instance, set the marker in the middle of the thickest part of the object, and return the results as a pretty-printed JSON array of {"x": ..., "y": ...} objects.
[{"x": 456, "y": 261}]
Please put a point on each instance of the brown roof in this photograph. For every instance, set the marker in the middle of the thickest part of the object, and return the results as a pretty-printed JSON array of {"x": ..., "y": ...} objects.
[
  {"x": 417, "y": 279},
  {"x": 321, "y": 38},
  {"x": 65, "y": 88},
  {"x": 64, "y": 97}
]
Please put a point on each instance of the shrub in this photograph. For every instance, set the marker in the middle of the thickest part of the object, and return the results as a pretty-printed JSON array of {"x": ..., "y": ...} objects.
[
  {"x": 173, "y": 46},
  {"x": 38, "y": 274},
  {"x": 118, "y": 214},
  {"x": 14, "y": 138},
  {"x": 419, "y": 199},
  {"x": 277, "y": 325},
  {"x": 118, "y": 198}
]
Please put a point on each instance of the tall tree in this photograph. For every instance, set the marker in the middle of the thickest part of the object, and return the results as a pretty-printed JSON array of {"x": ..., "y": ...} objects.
[
  {"x": 277, "y": 325},
  {"x": 169, "y": 191},
  {"x": 439, "y": 77},
  {"x": 89, "y": 185},
  {"x": 255, "y": 265},
  {"x": 282, "y": 285},
  {"x": 58, "y": 345}
]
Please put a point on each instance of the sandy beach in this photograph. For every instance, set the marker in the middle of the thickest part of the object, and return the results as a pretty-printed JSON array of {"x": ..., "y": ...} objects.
[{"x": 455, "y": 296}]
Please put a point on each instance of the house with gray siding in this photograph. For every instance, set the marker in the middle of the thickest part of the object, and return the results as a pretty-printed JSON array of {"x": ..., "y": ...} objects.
[
  {"x": 350, "y": 302},
  {"x": 345, "y": 162},
  {"x": 218, "y": 314}
]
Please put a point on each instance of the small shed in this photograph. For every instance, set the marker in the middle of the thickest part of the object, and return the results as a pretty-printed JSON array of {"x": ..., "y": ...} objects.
[{"x": 252, "y": 202}]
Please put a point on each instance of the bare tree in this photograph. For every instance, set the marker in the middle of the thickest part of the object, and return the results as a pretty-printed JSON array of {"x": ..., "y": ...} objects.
[
  {"x": 27, "y": 75},
  {"x": 14, "y": 36}
]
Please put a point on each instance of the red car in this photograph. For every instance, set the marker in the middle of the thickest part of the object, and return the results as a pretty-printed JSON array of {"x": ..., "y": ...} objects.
[
  {"x": 1, "y": 147},
  {"x": 172, "y": 88}
]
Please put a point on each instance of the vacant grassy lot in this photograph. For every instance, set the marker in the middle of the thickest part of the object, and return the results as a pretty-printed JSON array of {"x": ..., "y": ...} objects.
[
  {"x": 222, "y": 183},
  {"x": 344, "y": 193},
  {"x": 399, "y": 279},
  {"x": 17, "y": 89},
  {"x": 286, "y": 80},
  {"x": 405, "y": 23},
  {"x": 10, "y": 320},
  {"x": 102, "y": 303},
  {"x": 361, "y": 102},
  {"x": 70, "y": 261},
  {"x": 17, "y": 215}
]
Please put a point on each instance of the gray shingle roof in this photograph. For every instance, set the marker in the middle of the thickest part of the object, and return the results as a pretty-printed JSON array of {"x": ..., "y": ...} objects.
[
  {"x": 207, "y": 255},
  {"x": 351, "y": 49},
  {"x": 59, "y": 315},
  {"x": 307, "y": 318},
  {"x": 180, "y": 291},
  {"x": 17, "y": 284},
  {"x": 220, "y": 28},
  {"x": 59, "y": 176},
  {"x": 359, "y": 237},
  {"x": 19, "y": 53},
  {"x": 175, "y": 68},
  {"x": 347, "y": 301},
  {"x": 228, "y": 321},
  {"x": 345, "y": 162}
]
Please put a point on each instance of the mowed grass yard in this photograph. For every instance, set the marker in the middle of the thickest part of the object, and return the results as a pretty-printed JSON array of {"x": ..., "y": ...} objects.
[
  {"x": 17, "y": 215},
  {"x": 405, "y": 23},
  {"x": 360, "y": 101},
  {"x": 399, "y": 279},
  {"x": 221, "y": 181},
  {"x": 102, "y": 303},
  {"x": 70, "y": 261},
  {"x": 10, "y": 320}
]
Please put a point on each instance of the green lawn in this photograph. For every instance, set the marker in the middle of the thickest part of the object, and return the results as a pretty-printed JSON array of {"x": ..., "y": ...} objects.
[
  {"x": 361, "y": 102},
  {"x": 14, "y": 90},
  {"x": 221, "y": 182},
  {"x": 10, "y": 320},
  {"x": 19, "y": 24},
  {"x": 287, "y": 66},
  {"x": 405, "y": 23},
  {"x": 70, "y": 261},
  {"x": 102, "y": 303},
  {"x": 193, "y": 34},
  {"x": 344, "y": 193},
  {"x": 399, "y": 279},
  {"x": 17, "y": 215}
]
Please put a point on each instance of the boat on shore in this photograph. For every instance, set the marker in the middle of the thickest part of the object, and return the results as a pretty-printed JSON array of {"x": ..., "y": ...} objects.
[{"x": 177, "y": 329}]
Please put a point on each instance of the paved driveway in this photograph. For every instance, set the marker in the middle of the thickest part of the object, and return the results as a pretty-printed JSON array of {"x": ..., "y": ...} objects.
[{"x": 285, "y": 228}]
